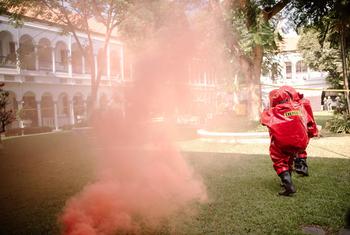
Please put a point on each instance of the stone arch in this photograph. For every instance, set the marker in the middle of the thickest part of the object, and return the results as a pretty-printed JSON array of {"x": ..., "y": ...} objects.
[
  {"x": 45, "y": 54},
  {"x": 102, "y": 61},
  {"x": 63, "y": 104},
  {"x": 27, "y": 52},
  {"x": 61, "y": 57},
  {"x": 87, "y": 58},
  {"x": 29, "y": 113},
  {"x": 7, "y": 50},
  {"x": 47, "y": 109},
  {"x": 79, "y": 107},
  {"x": 77, "y": 59},
  {"x": 115, "y": 63}
]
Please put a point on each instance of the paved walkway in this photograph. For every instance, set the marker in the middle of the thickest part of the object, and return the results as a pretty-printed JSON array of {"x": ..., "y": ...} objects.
[{"x": 258, "y": 143}]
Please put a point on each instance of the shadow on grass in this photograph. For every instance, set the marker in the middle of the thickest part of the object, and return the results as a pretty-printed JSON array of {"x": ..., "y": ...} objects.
[{"x": 40, "y": 173}]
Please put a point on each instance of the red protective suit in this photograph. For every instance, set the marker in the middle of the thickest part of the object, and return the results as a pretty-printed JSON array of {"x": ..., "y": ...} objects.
[
  {"x": 291, "y": 124},
  {"x": 297, "y": 97}
]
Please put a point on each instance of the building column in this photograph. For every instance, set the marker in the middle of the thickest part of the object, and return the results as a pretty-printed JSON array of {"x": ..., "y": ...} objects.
[
  {"x": 36, "y": 57},
  {"x": 53, "y": 59},
  {"x": 294, "y": 70},
  {"x": 108, "y": 62},
  {"x": 309, "y": 73},
  {"x": 83, "y": 64},
  {"x": 71, "y": 113},
  {"x": 95, "y": 62},
  {"x": 38, "y": 108},
  {"x": 18, "y": 62},
  {"x": 55, "y": 114},
  {"x": 20, "y": 107},
  {"x": 70, "y": 70},
  {"x": 122, "y": 63}
]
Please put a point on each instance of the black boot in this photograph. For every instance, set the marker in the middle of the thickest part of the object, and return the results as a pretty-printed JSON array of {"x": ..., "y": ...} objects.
[
  {"x": 300, "y": 166},
  {"x": 287, "y": 184}
]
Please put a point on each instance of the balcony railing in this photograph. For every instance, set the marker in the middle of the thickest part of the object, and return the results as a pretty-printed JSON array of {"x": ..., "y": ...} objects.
[
  {"x": 45, "y": 65},
  {"x": 61, "y": 67},
  {"x": 28, "y": 61}
]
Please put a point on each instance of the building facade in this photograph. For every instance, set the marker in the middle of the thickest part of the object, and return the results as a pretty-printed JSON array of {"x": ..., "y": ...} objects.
[
  {"x": 291, "y": 70},
  {"x": 49, "y": 79},
  {"x": 47, "y": 76}
]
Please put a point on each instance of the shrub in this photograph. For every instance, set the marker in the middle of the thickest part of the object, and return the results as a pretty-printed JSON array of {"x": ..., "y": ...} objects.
[
  {"x": 14, "y": 132},
  {"x": 27, "y": 131},
  {"x": 36, "y": 130},
  {"x": 339, "y": 124}
]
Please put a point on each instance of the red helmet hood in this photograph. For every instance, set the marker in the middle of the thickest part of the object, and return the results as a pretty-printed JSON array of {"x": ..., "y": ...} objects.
[
  {"x": 292, "y": 92},
  {"x": 278, "y": 96}
]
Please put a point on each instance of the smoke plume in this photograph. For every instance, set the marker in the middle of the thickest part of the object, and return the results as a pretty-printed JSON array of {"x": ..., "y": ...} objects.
[{"x": 142, "y": 177}]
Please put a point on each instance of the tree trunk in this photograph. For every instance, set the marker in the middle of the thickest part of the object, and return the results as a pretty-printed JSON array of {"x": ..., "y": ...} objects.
[
  {"x": 255, "y": 86},
  {"x": 1, "y": 143},
  {"x": 344, "y": 68},
  {"x": 255, "y": 106}
]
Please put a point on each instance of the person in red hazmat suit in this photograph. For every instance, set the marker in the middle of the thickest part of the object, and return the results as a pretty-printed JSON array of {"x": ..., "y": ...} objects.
[
  {"x": 291, "y": 124},
  {"x": 300, "y": 164}
]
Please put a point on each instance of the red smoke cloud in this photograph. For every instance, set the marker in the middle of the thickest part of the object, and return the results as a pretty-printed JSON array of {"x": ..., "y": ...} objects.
[
  {"x": 147, "y": 186},
  {"x": 141, "y": 177}
]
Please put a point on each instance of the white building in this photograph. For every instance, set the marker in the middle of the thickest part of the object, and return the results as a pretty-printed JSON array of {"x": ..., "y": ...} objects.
[
  {"x": 49, "y": 78},
  {"x": 294, "y": 72},
  {"x": 51, "y": 81}
]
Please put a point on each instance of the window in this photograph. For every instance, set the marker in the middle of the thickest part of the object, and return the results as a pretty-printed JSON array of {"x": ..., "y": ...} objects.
[
  {"x": 115, "y": 63},
  {"x": 301, "y": 67},
  {"x": 65, "y": 105},
  {"x": 64, "y": 55},
  {"x": 12, "y": 47},
  {"x": 45, "y": 57},
  {"x": 274, "y": 71},
  {"x": 288, "y": 70},
  {"x": 304, "y": 67},
  {"x": 101, "y": 57},
  {"x": 76, "y": 61}
]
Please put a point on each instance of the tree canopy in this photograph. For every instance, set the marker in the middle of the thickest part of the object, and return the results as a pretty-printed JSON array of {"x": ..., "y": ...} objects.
[
  {"x": 331, "y": 21},
  {"x": 7, "y": 116},
  {"x": 248, "y": 28},
  {"x": 75, "y": 16}
]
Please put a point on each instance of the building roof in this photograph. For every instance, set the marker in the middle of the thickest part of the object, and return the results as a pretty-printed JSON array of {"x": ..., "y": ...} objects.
[
  {"x": 31, "y": 15},
  {"x": 289, "y": 44}
]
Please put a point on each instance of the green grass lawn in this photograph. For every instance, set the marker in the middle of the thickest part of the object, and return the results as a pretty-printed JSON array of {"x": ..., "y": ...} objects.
[
  {"x": 231, "y": 123},
  {"x": 39, "y": 173},
  {"x": 322, "y": 117}
]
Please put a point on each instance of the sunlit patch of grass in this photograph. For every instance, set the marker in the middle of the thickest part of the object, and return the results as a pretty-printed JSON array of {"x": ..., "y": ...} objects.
[
  {"x": 243, "y": 192},
  {"x": 322, "y": 117}
]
